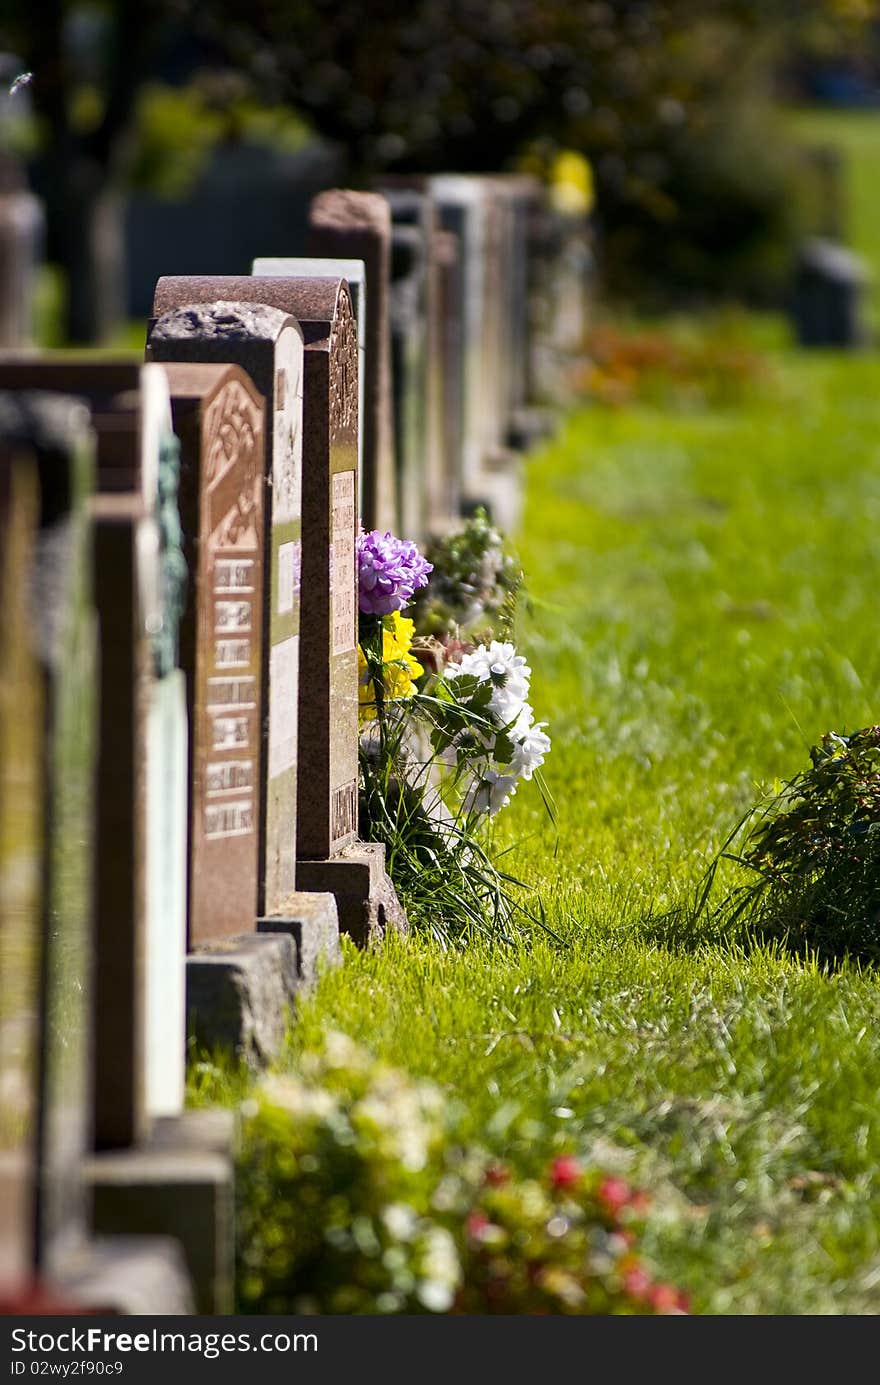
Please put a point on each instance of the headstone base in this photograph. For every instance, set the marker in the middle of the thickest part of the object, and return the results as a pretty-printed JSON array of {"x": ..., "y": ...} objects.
[
  {"x": 529, "y": 426},
  {"x": 501, "y": 492},
  {"x": 130, "y": 1276},
  {"x": 365, "y": 897},
  {"x": 312, "y": 921},
  {"x": 240, "y": 994},
  {"x": 181, "y": 1185}
]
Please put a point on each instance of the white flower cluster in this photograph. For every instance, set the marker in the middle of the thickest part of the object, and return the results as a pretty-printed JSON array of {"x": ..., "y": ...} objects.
[{"x": 495, "y": 780}]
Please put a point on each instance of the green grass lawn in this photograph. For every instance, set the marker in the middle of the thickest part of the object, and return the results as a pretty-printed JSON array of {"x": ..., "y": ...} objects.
[{"x": 704, "y": 594}]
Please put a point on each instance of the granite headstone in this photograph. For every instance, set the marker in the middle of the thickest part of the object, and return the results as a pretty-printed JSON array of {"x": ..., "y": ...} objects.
[
  {"x": 356, "y": 225},
  {"x": 268, "y": 345}
]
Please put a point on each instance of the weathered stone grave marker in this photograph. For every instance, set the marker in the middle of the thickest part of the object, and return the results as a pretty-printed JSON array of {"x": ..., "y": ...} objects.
[
  {"x": 346, "y": 224},
  {"x": 140, "y": 840},
  {"x": 448, "y": 262},
  {"x": 22, "y": 228},
  {"x": 140, "y": 846},
  {"x": 469, "y": 207},
  {"x": 46, "y": 453},
  {"x": 330, "y": 856}
]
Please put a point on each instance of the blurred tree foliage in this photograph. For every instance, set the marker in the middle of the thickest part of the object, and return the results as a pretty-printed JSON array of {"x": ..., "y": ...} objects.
[{"x": 670, "y": 100}]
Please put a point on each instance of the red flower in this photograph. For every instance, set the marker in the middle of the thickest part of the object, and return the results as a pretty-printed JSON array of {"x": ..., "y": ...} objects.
[
  {"x": 614, "y": 1193},
  {"x": 477, "y": 1221},
  {"x": 636, "y": 1282},
  {"x": 665, "y": 1298},
  {"x": 564, "y": 1171},
  {"x": 497, "y": 1175}
]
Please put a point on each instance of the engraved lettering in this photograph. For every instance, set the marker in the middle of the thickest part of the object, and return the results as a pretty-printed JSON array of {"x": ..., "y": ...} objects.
[
  {"x": 232, "y": 692},
  {"x": 342, "y": 571},
  {"x": 230, "y": 733},
  {"x": 344, "y": 811},
  {"x": 232, "y": 615},
  {"x": 288, "y": 576},
  {"x": 230, "y": 776},
  {"x": 234, "y": 574},
  {"x": 231, "y": 653},
  {"x": 229, "y": 819}
]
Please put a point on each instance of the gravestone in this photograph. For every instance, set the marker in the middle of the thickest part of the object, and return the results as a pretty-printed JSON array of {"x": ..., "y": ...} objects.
[
  {"x": 48, "y": 708},
  {"x": 251, "y": 705},
  {"x": 467, "y": 206},
  {"x": 827, "y": 304},
  {"x": 526, "y": 420},
  {"x": 330, "y": 856},
  {"x": 416, "y": 329},
  {"x": 355, "y": 275},
  {"x": 140, "y": 847},
  {"x": 219, "y": 420},
  {"x": 409, "y": 376},
  {"x": 22, "y": 232},
  {"x": 357, "y": 225},
  {"x": 448, "y": 326}
]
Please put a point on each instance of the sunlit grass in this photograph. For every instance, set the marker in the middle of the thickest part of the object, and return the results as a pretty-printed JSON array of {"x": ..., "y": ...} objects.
[{"x": 703, "y": 607}]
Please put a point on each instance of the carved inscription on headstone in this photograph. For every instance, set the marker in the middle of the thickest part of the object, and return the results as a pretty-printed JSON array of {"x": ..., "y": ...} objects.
[
  {"x": 231, "y": 534},
  {"x": 219, "y": 419}
]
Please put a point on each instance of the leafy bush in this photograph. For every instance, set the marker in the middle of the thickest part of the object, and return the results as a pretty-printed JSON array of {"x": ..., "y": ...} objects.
[
  {"x": 713, "y": 367},
  {"x": 353, "y": 1198},
  {"x": 813, "y": 853},
  {"x": 474, "y": 587}
]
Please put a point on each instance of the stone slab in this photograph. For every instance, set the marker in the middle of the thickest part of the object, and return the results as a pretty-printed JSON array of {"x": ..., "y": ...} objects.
[
  {"x": 132, "y": 1276},
  {"x": 312, "y": 921},
  {"x": 184, "y": 1192},
  {"x": 241, "y": 993},
  {"x": 365, "y": 897}
]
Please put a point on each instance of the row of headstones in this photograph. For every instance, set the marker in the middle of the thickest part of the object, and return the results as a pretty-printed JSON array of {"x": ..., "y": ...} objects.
[
  {"x": 435, "y": 265},
  {"x": 178, "y": 684}
]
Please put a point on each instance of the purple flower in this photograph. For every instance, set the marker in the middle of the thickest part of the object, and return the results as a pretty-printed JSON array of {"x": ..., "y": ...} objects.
[{"x": 390, "y": 570}]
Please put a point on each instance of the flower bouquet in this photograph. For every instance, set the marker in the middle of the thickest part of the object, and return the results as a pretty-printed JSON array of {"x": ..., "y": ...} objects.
[{"x": 447, "y": 732}]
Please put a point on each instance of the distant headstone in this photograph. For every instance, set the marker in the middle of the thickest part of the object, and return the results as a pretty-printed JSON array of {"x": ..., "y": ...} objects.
[
  {"x": 828, "y": 296},
  {"x": 357, "y": 225},
  {"x": 446, "y": 256},
  {"x": 468, "y": 206},
  {"x": 48, "y": 710},
  {"x": 22, "y": 232},
  {"x": 409, "y": 376},
  {"x": 327, "y": 813},
  {"x": 418, "y": 353},
  {"x": 268, "y": 345},
  {"x": 355, "y": 275}
]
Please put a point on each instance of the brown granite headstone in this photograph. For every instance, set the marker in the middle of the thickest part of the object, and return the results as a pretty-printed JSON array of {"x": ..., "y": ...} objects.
[
  {"x": 219, "y": 419},
  {"x": 330, "y": 856},
  {"x": 268, "y": 345},
  {"x": 346, "y": 224}
]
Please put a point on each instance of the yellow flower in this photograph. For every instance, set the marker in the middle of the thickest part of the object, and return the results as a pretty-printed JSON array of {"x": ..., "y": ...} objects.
[{"x": 399, "y": 667}]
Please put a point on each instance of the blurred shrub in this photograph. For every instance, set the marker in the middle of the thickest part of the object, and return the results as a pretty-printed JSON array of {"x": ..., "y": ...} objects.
[
  {"x": 712, "y": 364},
  {"x": 353, "y": 1198}
]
